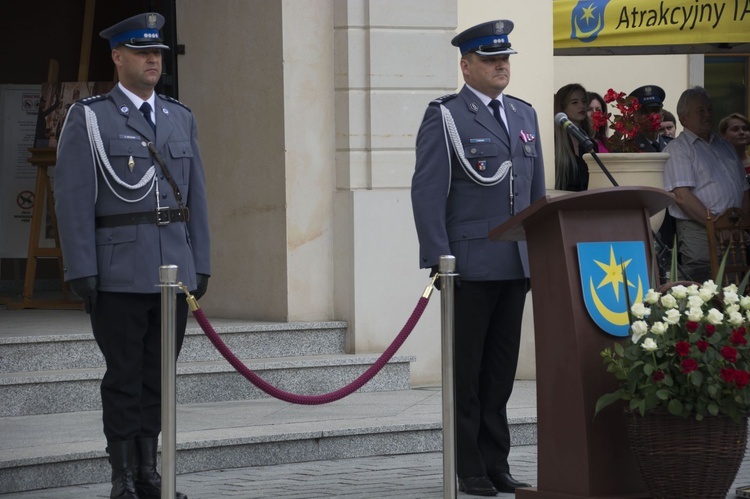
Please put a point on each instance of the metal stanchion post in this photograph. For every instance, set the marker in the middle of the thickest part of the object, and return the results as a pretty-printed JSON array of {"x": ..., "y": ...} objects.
[
  {"x": 447, "y": 269},
  {"x": 168, "y": 279}
]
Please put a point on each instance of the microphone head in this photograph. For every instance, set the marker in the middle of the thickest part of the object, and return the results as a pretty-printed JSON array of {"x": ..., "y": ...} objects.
[{"x": 561, "y": 118}]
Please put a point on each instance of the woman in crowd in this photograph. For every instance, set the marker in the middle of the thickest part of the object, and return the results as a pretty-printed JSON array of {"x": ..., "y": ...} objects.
[
  {"x": 736, "y": 129},
  {"x": 668, "y": 126},
  {"x": 597, "y": 104},
  {"x": 571, "y": 171}
]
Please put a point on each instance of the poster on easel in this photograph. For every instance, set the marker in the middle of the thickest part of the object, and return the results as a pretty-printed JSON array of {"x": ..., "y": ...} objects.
[
  {"x": 19, "y": 105},
  {"x": 32, "y": 116},
  {"x": 55, "y": 101}
]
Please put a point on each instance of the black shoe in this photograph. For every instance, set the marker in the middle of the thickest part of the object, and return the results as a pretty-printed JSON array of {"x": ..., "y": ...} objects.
[
  {"x": 147, "y": 479},
  {"x": 506, "y": 483},
  {"x": 477, "y": 486}
]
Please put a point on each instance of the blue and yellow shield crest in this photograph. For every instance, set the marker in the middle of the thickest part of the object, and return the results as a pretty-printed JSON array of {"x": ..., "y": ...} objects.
[
  {"x": 587, "y": 19},
  {"x": 604, "y": 268}
]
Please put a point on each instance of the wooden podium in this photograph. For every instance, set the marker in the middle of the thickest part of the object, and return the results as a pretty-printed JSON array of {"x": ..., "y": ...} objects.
[{"x": 579, "y": 456}]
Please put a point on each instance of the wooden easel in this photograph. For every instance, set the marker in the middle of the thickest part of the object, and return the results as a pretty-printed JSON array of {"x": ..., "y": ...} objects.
[{"x": 43, "y": 158}]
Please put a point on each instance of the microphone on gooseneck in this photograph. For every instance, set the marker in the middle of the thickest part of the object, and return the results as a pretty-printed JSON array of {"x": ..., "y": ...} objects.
[{"x": 561, "y": 119}]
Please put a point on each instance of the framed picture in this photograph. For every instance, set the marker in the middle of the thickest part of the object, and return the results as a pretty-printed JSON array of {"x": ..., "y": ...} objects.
[{"x": 54, "y": 103}]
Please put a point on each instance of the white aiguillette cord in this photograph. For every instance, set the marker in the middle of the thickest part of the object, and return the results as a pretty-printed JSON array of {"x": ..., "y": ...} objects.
[
  {"x": 450, "y": 126},
  {"x": 102, "y": 161}
]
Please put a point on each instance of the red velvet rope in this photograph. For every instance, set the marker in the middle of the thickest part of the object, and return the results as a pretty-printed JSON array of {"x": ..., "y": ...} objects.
[{"x": 312, "y": 399}]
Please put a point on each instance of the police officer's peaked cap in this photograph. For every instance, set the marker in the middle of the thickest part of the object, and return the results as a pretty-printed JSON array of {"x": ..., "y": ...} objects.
[
  {"x": 490, "y": 38},
  {"x": 137, "y": 32},
  {"x": 649, "y": 96}
]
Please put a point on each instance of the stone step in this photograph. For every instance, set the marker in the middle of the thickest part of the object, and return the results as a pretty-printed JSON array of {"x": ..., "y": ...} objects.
[
  {"x": 57, "y": 450},
  {"x": 73, "y": 390},
  {"x": 66, "y": 348}
]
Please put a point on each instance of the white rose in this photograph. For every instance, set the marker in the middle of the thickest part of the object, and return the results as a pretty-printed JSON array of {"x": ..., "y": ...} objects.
[
  {"x": 639, "y": 328},
  {"x": 694, "y": 314},
  {"x": 710, "y": 286},
  {"x": 679, "y": 291},
  {"x": 735, "y": 319},
  {"x": 649, "y": 345},
  {"x": 668, "y": 301},
  {"x": 640, "y": 310},
  {"x": 651, "y": 297},
  {"x": 714, "y": 317},
  {"x": 672, "y": 316},
  {"x": 732, "y": 288},
  {"x": 731, "y": 308},
  {"x": 695, "y": 301},
  {"x": 659, "y": 328},
  {"x": 692, "y": 290},
  {"x": 706, "y": 294},
  {"x": 745, "y": 302},
  {"x": 730, "y": 297}
]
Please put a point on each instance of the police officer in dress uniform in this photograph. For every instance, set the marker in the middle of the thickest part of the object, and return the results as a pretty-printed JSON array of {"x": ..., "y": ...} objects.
[
  {"x": 479, "y": 162},
  {"x": 651, "y": 99},
  {"x": 130, "y": 195}
]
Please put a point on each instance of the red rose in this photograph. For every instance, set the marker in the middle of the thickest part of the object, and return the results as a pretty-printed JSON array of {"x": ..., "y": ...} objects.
[
  {"x": 742, "y": 330},
  {"x": 658, "y": 376},
  {"x": 727, "y": 374},
  {"x": 741, "y": 378},
  {"x": 691, "y": 326},
  {"x": 689, "y": 365},
  {"x": 729, "y": 353},
  {"x": 702, "y": 345},
  {"x": 710, "y": 329},
  {"x": 682, "y": 348},
  {"x": 737, "y": 338}
]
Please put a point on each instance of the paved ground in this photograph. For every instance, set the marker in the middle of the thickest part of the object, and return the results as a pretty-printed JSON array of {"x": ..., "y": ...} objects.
[{"x": 408, "y": 476}]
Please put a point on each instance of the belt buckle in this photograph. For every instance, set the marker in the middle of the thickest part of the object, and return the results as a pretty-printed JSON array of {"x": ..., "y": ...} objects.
[{"x": 162, "y": 216}]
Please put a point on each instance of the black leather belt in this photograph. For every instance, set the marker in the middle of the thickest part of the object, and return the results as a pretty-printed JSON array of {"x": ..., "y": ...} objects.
[{"x": 162, "y": 216}]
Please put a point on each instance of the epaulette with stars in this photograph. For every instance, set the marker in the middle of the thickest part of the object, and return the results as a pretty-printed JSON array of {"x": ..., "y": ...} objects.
[
  {"x": 521, "y": 100},
  {"x": 443, "y": 99},
  {"x": 93, "y": 98},
  {"x": 172, "y": 99}
]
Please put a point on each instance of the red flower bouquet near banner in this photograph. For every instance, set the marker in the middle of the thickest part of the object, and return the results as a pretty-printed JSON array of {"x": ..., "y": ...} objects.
[
  {"x": 627, "y": 125},
  {"x": 687, "y": 352}
]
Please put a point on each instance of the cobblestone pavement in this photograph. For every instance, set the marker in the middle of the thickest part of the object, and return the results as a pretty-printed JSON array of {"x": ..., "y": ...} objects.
[{"x": 407, "y": 476}]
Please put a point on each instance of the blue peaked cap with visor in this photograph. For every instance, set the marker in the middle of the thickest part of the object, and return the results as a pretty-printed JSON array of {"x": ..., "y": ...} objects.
[
  {"x": 490, "y": 38},
  {"x": 138, "y": 32}
]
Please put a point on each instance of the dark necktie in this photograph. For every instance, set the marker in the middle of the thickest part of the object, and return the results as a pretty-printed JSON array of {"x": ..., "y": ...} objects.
[
  {"x": 495, "y": 105},
  {"x": 656, "y": 145},
  {"x": 146, "y": 110}
]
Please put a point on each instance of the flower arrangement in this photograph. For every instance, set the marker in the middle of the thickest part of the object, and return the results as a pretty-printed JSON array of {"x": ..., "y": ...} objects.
[
  {"x": 627, "y": 125},
  {"x": 687, "y": 352}
]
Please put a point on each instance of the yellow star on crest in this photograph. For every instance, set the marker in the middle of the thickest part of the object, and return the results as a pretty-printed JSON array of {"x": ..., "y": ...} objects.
[
  {"x": 613, "y": 273},
  {"x": 588, "y": 13}
]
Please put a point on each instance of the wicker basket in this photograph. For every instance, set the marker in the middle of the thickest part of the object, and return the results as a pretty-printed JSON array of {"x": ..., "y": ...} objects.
[{"x": 685, "y": 458}]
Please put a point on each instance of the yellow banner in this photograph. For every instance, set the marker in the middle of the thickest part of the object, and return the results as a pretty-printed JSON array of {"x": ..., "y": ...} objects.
[{"x": 583, "y": 24}]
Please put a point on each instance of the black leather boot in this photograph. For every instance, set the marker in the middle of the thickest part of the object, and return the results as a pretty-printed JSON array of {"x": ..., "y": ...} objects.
[
  {"x": 123, "y": 473},
  {"x": 148, "y": 480}
]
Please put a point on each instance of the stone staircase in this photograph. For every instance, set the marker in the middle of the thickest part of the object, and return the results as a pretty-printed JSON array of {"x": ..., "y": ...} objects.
[{"x": 50, "y": 418}]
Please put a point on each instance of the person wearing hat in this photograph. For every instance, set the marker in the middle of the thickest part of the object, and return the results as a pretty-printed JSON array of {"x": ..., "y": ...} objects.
[
  {"x": 651, "y": 100},
  {"x": 130, "y": 196},
  {"x": 479, "y": 162}
]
